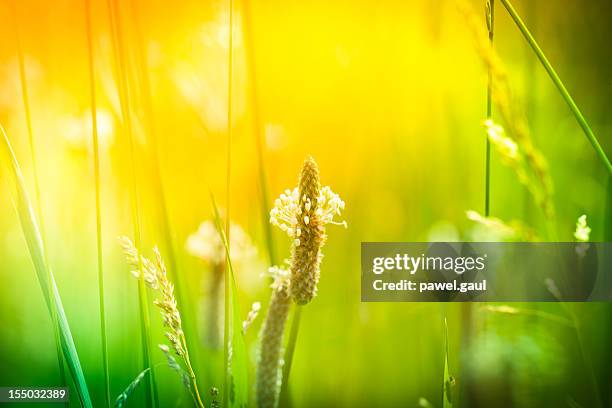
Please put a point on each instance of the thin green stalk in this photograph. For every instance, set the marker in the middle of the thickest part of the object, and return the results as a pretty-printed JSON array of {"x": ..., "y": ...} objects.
[
  {"x": 96, "y": 151},
  {"x": 239, "y": 362},
  {"x": 230, "y": 127},
  {"x": 295, "y": 323},
  {"x": 585, "y": 353},
  {"x": 490, "y": 23},
  {"x": 226, "y": 336},
  {"x": 569, "y": 308},
  {"x": 33, "y": 237},
  {"x": 122, "y": 79},
  {"x": 158, "y": 184},
  {"x": 28, "y": 117},
  {"x": 194, "y": 380},
  {"x": 559, "y": 84},
  {"x": 226, "y": 328},
  {"x": 257, "y": 129}
]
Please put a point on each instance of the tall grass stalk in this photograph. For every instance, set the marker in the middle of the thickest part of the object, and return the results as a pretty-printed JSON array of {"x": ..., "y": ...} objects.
[
  {"x": 257, "y": 127},
  {"x": 570, "y": 309},
  {"x": 28, "y": 118},
  {"x": 226, "y": 313},
  {"x": 96, "y": 154},
  {"x": 559, "y": 84},
  {"x": 236, "y": 369},
  {"x": 124, "y": 100},
  {"x": 490, "y": 16},
  {"x": 33, "y": 236},
  {"x": 265, "y": 210},
  {"x": 158, "y": 184},
  {"x": 586, "y": 356},
  {"x": 518, "y": 151}
]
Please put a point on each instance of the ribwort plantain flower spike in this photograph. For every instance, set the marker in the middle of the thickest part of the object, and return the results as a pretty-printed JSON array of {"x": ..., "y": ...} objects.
[
  {"x": 270, "y": 363},
  {"x": 303, "y": 213}
]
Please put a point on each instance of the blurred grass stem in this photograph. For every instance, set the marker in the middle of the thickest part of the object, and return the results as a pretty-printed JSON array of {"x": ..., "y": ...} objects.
[
  {"x": 96, "y": 154},
  {"x": 559, "y": 84},
  {"x": 122, "y": 79}
]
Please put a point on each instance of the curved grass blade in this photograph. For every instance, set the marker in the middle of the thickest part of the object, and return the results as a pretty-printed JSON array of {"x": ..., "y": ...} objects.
[
  {"x": 125, "y": 395},
  {"x": 28, "y": 119},
  {"x": 31, "y": 231},
  {"x": 236, "y": 369},
  {"x": 559, "y": 84}
]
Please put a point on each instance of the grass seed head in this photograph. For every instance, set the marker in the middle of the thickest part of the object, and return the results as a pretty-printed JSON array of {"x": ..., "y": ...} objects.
[
  {"x": 251, "y": 317},
  {"x": 512, "y": 231},
  {"x": 534, "y": 169},
  {"x": 156, "y": 278}
]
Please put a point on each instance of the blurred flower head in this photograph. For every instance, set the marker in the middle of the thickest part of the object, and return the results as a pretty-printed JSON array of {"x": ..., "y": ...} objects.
[{"x": 206, "y": 244}]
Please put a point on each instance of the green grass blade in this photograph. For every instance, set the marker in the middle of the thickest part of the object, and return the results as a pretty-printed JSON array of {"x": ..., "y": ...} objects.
[
  {"x": 226, "y": 330},
  {"x": 559, "y": 84},
  {"x": 187, "y": 315},
  {"x": 120, "y": 53},
  {"x": 96, "y": 151},
  {"x": 237, "y": 377},
  {"x": 257, "y": 128},
  {"x": 449, "y": 382},
  {"x": 31, "y": 231},
  {"x": 28, "y": 118}
]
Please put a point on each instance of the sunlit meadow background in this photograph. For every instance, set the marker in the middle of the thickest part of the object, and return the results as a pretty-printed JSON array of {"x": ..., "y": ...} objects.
[{"x": 389, "y": 97}]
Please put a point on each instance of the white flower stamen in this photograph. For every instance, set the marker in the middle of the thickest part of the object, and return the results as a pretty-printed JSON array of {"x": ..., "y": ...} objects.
[{"x": 288, "y": 209}]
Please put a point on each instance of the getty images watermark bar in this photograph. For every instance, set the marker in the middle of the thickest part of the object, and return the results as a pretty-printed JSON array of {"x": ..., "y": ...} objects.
[{"x": 486, "y": 271}]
